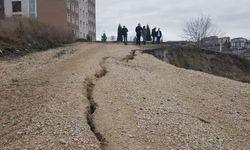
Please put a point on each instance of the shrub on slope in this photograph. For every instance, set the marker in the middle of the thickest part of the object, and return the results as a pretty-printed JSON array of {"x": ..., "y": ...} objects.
[{"x": 23, "y": 35}]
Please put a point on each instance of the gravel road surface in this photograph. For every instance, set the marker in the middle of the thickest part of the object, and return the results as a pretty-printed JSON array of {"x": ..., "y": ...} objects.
[{"x": 103, "y": 96}]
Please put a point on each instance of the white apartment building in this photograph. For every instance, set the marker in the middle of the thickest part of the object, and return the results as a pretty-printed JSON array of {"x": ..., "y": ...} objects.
[
  {"x": 24, "y": 8},
  {"x": 83, "y": 19},
  {"x": 238, "y": 43}
]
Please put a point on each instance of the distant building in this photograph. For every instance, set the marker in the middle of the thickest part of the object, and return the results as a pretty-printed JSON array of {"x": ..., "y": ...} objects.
[
  {"x": 210, "y": 42},
  {"x": 238, "y": 43},
  {"x": 247, "y": 45},
  {"x": 225, "y": 41},
  {"x": 1, "y": 8},
  {"x": 76, "y": 15},
  {"x": 247, "y": 58}
]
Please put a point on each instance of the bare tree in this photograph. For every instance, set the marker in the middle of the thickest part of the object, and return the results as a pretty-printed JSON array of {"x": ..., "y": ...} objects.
[{"x": 198, "y": 29}]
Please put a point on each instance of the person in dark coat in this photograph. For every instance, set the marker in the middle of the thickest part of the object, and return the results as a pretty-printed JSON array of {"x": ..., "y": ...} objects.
[
  {"x": 158, "y": 36},
  {"x": 125, "y": 35},
  {"x": 138, "y": 31},
  {"x": 153, "y": 34}
]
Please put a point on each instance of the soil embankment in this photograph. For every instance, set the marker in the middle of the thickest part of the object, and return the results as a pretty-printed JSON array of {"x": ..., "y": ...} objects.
[
  {"x": 212, "y": 62},
  {"x": 20, "y": 36},
  {"x": 144, "y": 103}
]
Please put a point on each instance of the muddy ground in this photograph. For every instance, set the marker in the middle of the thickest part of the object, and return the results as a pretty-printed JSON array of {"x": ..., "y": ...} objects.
[{"x": 102, "y": 96}]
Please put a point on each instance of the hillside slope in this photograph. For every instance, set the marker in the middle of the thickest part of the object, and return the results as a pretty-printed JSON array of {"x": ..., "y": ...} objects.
[
  {"x": 148, "y": 104},
  {"x": 101, "y": 96}
]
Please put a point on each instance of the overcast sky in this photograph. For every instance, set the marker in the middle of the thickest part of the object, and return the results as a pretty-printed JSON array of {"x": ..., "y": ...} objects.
[{"x": 230, "y": 16}]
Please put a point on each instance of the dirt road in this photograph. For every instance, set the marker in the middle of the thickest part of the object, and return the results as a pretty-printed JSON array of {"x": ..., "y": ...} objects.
[{"x": 97, "y": 96}]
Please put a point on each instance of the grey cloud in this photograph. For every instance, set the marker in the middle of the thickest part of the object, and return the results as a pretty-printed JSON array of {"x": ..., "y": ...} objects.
[{"x": 231, "y": 16}]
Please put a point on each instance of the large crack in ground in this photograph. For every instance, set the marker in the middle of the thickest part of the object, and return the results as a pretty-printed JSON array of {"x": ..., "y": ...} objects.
[
  {"x": 130, "y": 56},
  {"x": 90, "y": 85}
]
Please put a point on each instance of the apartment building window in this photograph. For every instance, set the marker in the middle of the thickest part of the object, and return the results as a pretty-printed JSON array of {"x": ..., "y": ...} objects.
[
  {"x": 73, "y": 20},
  {"x": 72, "y": 7},
  {"x": 68, "y": 18},
  {"x": 83, "y": 13},
  {"x": 77, "y": 34},
  {"x": 77, "y": 21},
  {"x": 242, "y": 44},
  {"x": 32, "y": 8},
  {"x": 80, "y": 34},
  {"x": 68, "y": 4},
  {"x": 76, "y": 9},
  {"x": 16, "y": 6}
]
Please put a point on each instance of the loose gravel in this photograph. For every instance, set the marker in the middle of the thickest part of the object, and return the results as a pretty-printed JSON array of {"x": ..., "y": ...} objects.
[{"x": 141, "y": 102}]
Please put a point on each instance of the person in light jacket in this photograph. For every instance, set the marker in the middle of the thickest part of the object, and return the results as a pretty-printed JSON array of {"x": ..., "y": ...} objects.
[{"x": 144, "y": 34}]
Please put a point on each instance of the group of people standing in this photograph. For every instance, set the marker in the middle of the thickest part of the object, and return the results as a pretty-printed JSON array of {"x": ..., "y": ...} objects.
[
  {"x": 142, "y": 32},
  {"x": 156, "y": 35}
]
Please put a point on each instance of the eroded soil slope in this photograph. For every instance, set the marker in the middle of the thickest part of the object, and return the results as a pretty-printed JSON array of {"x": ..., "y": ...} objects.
[{"x": 147, "y": 104}]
